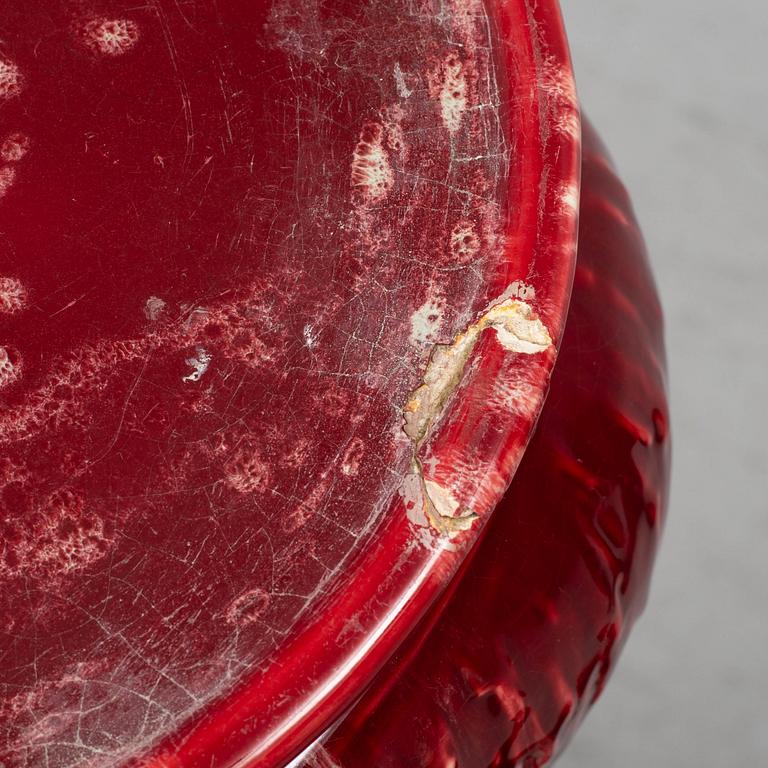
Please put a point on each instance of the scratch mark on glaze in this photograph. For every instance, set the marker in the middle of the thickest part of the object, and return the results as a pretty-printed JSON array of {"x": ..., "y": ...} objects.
[
  {"x": 194, "y": 316},
  {"x": 310, "y": 336},
  {"x": 558, "y": 84}
]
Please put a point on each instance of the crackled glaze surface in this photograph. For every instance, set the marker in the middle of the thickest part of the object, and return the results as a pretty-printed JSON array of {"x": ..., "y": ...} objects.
[{"x": 239, "y": 243}]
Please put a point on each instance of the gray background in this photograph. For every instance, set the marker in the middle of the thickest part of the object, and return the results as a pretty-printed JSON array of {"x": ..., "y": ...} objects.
[{"x": 678, "y": 90}]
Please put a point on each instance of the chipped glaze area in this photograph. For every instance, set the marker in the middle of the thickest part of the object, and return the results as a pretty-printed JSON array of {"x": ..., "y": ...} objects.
[{"x": 222, "y": 277}]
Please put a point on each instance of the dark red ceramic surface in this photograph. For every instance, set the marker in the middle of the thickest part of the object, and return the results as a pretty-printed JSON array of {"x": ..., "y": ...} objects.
[{"x": 282, "y": 285}]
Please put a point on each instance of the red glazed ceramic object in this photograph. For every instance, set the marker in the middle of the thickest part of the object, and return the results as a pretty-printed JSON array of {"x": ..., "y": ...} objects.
[{"x": 281, "y": 289}]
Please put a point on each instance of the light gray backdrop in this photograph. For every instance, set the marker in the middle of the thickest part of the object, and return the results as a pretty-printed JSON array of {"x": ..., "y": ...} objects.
[{"x": 678, "y": 88}]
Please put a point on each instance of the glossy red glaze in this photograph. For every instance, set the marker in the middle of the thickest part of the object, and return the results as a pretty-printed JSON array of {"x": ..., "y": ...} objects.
[
  {"x": 505, "y": 670},
  {"x": 235, "y": 239}
]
